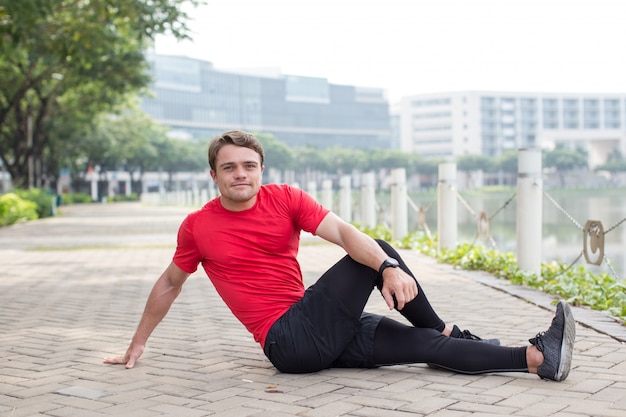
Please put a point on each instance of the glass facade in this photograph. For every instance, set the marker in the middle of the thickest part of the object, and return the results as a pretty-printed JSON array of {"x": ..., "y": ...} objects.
[
  {"x": 591, "y": 114},
  {"x": 194, "y": 99},
  {"x": 612, "y": 112},
  {"x": 570, "y": 114},
  {"x": 550, "y": 113}
]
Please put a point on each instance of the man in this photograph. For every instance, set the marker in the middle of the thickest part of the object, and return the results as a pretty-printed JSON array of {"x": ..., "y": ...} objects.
[{"x": 247, "y": 241}]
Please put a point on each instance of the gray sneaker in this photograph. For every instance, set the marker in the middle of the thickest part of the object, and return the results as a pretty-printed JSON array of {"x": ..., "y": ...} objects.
[{"x": 557, "y": 344}]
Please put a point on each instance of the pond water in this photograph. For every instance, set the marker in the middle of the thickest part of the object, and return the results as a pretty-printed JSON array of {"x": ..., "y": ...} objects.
[{"x": 565, "y": 213}]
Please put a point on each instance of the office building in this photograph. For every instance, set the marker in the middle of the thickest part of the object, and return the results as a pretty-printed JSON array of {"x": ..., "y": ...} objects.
[
  {"x": 198, "y": 101},
  {"x": 489, "y": 123}
]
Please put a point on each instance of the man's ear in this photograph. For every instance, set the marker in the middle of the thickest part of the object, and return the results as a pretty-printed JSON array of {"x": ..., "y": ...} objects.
[{"x": 213, "y": 176}]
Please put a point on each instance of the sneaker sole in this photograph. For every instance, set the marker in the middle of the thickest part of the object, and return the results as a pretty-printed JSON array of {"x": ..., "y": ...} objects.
[{"x": 567, "y": 343}]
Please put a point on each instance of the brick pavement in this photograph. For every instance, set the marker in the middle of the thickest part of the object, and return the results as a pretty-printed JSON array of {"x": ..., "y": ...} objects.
[{"x": 74, "y": 286}]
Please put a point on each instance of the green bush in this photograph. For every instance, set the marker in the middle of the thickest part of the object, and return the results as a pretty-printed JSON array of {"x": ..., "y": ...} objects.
[
  {"x": 42, "y": 199},
  {"x": 123, "y": 197},
  {"x": 14, "y": 209},
  {"x": 75, "y": 198}
]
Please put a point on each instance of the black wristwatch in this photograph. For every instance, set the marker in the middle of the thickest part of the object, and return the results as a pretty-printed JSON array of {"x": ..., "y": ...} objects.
[{"x": 389, "y": 262}]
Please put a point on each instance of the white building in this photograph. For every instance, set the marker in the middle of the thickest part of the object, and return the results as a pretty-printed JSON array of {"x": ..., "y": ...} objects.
[{"x": 488, "y": 123}]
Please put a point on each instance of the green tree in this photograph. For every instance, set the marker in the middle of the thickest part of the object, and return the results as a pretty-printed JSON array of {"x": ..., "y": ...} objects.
[
  {"x": 389, "y": 159},
  {"x": 563, "y": 159},
  {"x": 277, "y": 154},
  {"x": 615, "y": 163},
  {"x": 469, "y": 163},
  {"x": 344, "y": 160},
  {"x": 177, "y": 155},
  {"x": 507, "y": 162},
  {"x": 126, "y": 141},
  {"x": 427, "y": 167},
  {"x": 62, "y": 58},
  {"x": 473, "y": 163},
  {"x": 310, "y": 158}
]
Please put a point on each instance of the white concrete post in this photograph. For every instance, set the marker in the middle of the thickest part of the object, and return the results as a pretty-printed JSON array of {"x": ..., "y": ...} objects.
[
  {"x": 327, "y": 194},
  {"x": 213, "y": 190},
  {"x": 112, "y": 177},
  {"x": 311, "y": 189},
  {"x": 529, "y": 210},
  {"x": 94, "y": 186},
  {"x": 399, "y": 212},
  {"x": 446, "y": 206},
  {"x": 368, "y": 200},
  {"x": 345, "y": 198}
]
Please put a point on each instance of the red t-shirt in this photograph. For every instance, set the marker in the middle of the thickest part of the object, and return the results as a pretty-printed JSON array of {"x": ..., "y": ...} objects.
[{"x": 250, "y": 255}]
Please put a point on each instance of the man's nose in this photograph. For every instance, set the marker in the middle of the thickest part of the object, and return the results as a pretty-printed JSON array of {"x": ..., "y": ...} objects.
[{"x": 240, "y": 172}]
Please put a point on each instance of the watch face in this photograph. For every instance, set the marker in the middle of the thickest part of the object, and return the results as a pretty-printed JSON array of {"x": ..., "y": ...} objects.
[
  {"x": 392, "y": 262},
  {"x": 389, "y": 262}
]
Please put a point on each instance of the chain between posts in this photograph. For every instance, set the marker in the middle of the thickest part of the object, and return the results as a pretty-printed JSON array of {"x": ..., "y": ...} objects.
[
  {"x": 462, "y": 200},
  {"x": 558, "y": 206},
  {"x": 421, "y": 215},
  {"x": 585, "y": 231},
  {"x": 615, "y": 225},
  {"x": 482, "y": 220}
]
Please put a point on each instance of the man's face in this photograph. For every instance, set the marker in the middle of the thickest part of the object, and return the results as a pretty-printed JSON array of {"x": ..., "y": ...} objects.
[{"x": 238, "y": 172}]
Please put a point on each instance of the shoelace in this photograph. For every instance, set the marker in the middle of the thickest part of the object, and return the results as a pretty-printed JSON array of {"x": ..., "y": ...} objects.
[
  {"x": 466, "y": 334},
  {"x": 538, "y": 341}
]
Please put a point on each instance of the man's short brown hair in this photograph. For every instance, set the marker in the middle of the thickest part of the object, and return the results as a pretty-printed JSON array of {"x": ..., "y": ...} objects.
[{"x": 234, "y": 137}]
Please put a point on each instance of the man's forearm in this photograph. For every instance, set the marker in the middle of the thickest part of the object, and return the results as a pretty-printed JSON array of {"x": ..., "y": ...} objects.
[
  {"x": 363, "y": 249},
  {"x": 159, "y": 302}
]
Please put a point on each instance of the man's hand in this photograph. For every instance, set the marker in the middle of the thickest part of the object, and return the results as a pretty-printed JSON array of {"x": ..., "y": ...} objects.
[
  {"x": 398, "y": 284},
  {"x": 129, "y": 358}
]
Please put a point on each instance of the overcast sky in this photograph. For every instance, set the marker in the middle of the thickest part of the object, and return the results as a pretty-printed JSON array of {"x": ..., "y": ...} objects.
[{"x": 419, "y": 46}]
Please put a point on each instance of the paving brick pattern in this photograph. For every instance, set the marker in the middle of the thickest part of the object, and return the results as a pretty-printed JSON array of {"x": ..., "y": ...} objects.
[{"x": 73, "y": 288}]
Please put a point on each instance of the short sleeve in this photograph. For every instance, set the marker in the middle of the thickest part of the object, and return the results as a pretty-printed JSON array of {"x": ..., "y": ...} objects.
[
  {"x": 187, "y": 256},
  {"x": 310, "y": 213}
]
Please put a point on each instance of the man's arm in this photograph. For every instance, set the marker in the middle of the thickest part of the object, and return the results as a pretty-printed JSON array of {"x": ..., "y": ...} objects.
[
  {"x": 161, "y": 298},
  {"x": 366, "y": 251}
]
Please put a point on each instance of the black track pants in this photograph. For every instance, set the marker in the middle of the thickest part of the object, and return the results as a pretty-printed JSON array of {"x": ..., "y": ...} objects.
[{"x": 307, "y": 338}]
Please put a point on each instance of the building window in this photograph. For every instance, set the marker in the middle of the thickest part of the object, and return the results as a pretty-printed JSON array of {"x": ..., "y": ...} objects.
[
  {"x": 430, "y": 128},
  {"x": 612, "y": 114},
  {"x": 487, "y": 101},
  {"x": 432, "y": 115},
  {"x": 591, "y": 113},
  {"x": 570, "y": 114},
  {"x": 550, "y": 113},
  {"x": 306, "y": 89},
  {"x": 431, "y": 102}
]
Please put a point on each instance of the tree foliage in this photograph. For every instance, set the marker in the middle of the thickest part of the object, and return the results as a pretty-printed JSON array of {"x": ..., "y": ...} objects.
[
  {"x": 476, "y": 163},
  {"x": 277, "y": 154},
  {"x": 563, "y": 159},
  {"x": 615, "y": 162},
  {"x": 65, "y": 61},
  {"x": 507, "y": 162}
]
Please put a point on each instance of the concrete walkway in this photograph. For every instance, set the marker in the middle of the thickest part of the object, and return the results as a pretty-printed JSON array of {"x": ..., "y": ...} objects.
[{"x": 73, "y": 288}]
